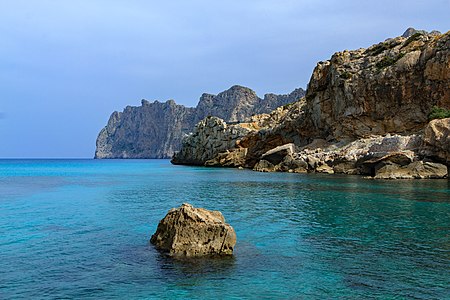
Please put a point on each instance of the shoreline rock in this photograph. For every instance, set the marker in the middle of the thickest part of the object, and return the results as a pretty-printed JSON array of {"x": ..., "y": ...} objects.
[
  {"x": 210, "y": 137},
  {"x": 436, "y": 140}
]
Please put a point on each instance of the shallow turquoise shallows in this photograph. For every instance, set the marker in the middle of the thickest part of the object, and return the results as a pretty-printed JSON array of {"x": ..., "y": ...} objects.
[{"x": 80, "y": 229}]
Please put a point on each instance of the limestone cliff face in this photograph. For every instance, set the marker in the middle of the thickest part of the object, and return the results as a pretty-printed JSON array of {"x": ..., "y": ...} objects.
[
  {"x": 389, "y": 87},
  {"x": 239, "y": 103},
  {"x": 365, "y": 112},
  {"x": 155, "y": 130},
  {"x": 151, "y": 130},
  {"x": 235, "y": 104},
  {"x": 436, "y": 140},
  {"x": 213, "y": 136},
  {"x": 210, "y": 137}
]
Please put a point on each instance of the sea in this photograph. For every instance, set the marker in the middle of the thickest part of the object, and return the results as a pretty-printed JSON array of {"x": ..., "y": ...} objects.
[{"x": 80, "y": 229}]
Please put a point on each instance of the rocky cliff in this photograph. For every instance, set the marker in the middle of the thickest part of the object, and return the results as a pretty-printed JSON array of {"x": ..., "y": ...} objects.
[
  {"x": 365, "y": 112},
  {"x": 389, "y": 87},
  {"x": 213, "y": 138},
  {"x": 155, "y": 130}
]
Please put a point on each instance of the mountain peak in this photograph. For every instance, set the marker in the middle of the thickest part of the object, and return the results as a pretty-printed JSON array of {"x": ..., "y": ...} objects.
[{"x": 411, "y": 31}]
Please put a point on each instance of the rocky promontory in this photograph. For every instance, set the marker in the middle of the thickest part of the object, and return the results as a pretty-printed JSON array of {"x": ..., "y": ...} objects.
[
  {"x": 155, "y": 129},
  {"x": 365, "y": 112}
]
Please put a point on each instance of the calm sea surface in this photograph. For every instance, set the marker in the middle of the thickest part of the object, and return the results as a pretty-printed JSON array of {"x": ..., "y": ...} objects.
[{"x": 80, "y": 229}]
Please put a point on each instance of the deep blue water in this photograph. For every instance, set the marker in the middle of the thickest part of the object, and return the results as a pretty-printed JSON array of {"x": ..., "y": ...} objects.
[{"x": 80, "y": 229}]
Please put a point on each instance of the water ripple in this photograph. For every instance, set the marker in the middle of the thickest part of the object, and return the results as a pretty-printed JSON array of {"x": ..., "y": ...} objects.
[{"x": 80, "y": 229}]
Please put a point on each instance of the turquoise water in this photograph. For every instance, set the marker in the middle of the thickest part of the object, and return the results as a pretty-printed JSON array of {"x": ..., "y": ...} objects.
[{"x": 80, "y": 229}]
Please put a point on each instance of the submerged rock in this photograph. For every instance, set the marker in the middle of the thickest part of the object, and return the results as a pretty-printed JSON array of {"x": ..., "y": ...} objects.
[{"x": 189, "y": 231}]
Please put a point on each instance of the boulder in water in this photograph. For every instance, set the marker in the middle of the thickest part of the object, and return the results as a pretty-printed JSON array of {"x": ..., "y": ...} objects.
[{"x": 189, "y": 231}]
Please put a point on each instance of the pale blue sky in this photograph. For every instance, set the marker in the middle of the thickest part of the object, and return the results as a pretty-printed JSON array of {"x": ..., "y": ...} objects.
[{"x": 66, "y": 65}]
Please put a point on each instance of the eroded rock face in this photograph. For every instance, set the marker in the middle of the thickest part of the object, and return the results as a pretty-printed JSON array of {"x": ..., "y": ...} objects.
[
  {"x": 436, "y": 140},
  {"x": 156, "y": 130},
  {"x": 264, "y": 166},
  {"x": 214, "y": 142},
  {"x": 277, "y": 155},
  {"x": 189, "y": 231},
  {"x": 415, "y": 170},
  {"x": 211, "y": 136},
  {"x": 229, "y": 158},
  {"x": 389, "y": 87},
  {"x": 153, "y": 130},
  {"x": 359, "y": 157},
  {"x": 238, "y": 103}
]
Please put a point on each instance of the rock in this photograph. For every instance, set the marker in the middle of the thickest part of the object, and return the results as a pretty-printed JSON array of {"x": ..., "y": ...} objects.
[
  {"x": 214, "y": 142},
  {"x": 325, "y": 169},
  {"x": 289, "y": 164},
  {"x": 415, "y": 170},
  {"x": 313, "y": 162},
  {"x": 211, "y": 137},
  {"x": 153, "y": 130},
  {"x": 316, "y": 143},
  {"x": 189, "y": 231},
  {"x": 436, "y": 140},
  {"x": 230, "y": 158},
  {"x": 388, "y": 88},
  {"x": 411, "y": 31},
  {"x": 360, "y": 156},
  {"x": 238, "y": 103},
  {"x": 276, "y": 155},
  {"x": 156, "y": 130},
  {"x": 264, "y": 166},
  {"x": 399, "y": 158},
  {"x": 348, "y": 167}
]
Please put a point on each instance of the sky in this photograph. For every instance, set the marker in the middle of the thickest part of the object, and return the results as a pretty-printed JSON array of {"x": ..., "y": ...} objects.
[{"x": 65, "y": 66}]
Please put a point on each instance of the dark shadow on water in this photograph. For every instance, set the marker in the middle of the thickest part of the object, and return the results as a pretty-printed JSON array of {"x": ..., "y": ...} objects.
[
  {"x": 194, "y": 272},
  {"x": 195, "y": 267}
]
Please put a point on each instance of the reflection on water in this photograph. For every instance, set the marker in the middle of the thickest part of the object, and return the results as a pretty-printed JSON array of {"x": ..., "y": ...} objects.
[{"x": 195, "y": 269}]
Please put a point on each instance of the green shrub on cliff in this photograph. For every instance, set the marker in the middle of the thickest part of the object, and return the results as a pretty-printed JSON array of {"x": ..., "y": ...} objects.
[
  {"x": 286, "y": 106},
  {"x": 388, "y": 61},
  {"x": 345, "y": 75},
  {"x": 412, "y": 38},
  {"x": 379, "y": 48},
  {"x": 439, "y": 113}
]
